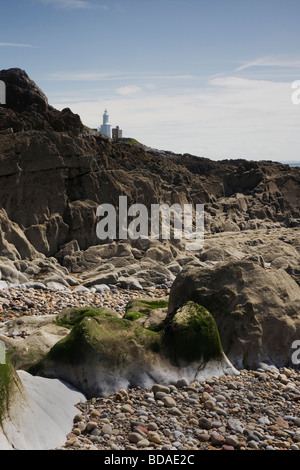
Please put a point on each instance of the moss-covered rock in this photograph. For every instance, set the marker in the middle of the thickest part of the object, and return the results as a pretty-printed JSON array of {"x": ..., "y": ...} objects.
[
  {"x": 256, "y": 309},
  {"x": 101, "y": 347},
  {"x": 9, "y": 385},
  {"x": 70, "y": 317},
  {"x": 149, "y": 313},
  {"x": 111, "y": 340},
  {"x": 103, "y": 353},
  {"x": 192, "y": 335}
]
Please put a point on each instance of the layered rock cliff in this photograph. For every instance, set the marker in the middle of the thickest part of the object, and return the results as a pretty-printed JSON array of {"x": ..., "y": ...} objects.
[{"x": 54, "y": 174}]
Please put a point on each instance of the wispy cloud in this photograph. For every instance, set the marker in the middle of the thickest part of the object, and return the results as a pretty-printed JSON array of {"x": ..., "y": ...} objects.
[
  {"x": 270, "y": 62},
  {"x": 227, "y": 117},
  {"x": 13, "y": 44},
  {"x": 94, "y": 76},
  {"x": 75, "y": 4},
  {"x": 128, "y": 90},
  {"x": 84, "y": 77}
]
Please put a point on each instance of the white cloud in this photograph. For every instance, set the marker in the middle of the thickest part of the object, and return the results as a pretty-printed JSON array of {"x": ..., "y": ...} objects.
[
  {"x": 67, "y": 3},
  {"x": 128, "y": 90},
  {"x": 75, "y": 4},
  {"x": 82, "y": 77},
  {"x": 270, "y": 62},
  {"x": 93, "y": 76},
  {"x": 230, "y": 117},
  {"x": 13, "y": 44}
]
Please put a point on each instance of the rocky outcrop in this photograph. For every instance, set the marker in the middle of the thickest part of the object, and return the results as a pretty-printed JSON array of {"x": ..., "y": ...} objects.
[
  {"x": 256, "y": 309},
  {"x": 104, "y": 353},
  {"x": 53, "y": 176},
  {"x": 27, "y": 107}
]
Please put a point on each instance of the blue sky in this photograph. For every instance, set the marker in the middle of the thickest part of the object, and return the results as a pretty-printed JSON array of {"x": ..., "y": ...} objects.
[{"x": 207, "y": 77}]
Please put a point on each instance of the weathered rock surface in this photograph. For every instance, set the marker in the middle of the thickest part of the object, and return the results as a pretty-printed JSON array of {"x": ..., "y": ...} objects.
[
  {"x": 104, "y": 353},
  {"x": 28, "y": 339},
  {"x": 36, "y": 413},
  {"x": 256, "y": 309},
  {"x": 53, "y": 176}
]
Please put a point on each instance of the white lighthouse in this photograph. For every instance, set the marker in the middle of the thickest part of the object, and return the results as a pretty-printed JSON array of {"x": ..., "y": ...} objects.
[{"x": 105, "y": 127}]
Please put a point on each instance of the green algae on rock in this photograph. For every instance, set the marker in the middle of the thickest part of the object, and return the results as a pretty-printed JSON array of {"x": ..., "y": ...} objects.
[
  {"x": 192, "y": 335},
  {"x": 103, "y": 353},
  {"x": 70, "y": 317},
  {"x": 137, "y": 308},
  {"x": 103, "y": 346},
  {"x": 148, "y": 313},
  {"x": 9, "y": 384}
]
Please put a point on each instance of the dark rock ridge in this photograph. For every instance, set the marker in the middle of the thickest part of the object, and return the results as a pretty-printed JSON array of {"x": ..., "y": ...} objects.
[{"x": 27, "y": 107}]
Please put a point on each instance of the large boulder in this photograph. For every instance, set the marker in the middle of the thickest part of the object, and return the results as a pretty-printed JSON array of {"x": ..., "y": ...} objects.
[
  {"x": 192, "y": 335},
  {"x": 256, "y": 309},
  {"x": 103, "y": 353}
]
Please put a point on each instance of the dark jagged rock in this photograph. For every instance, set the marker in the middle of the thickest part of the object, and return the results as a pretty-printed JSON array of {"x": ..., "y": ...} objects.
[{"x": 27, "y": 107}]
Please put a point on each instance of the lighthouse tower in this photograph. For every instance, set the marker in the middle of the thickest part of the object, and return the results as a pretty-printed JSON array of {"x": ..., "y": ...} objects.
[{"x": 105, "y": 127}]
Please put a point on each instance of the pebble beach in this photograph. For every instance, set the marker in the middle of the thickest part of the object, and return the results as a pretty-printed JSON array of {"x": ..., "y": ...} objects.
[
  {"x": 255, "y": 410},
  {"x": 15, "y": 303}
]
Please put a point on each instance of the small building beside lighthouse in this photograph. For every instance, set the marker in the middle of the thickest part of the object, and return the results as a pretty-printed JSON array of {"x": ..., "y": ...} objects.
[
  {"x": 105, "y": 128},
  {"x": 117, "y": 133}
]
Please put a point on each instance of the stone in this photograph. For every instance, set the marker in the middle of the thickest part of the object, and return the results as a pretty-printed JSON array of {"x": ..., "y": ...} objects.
[
  {"x": 205, "y": 423},
  {"x": 169, "y": 402},
  {"x": 205, "y": 396},
  {"x": 153, "y": 436},
  {"x": 217, "y": 439},
  {"x": 71, "y": 442},
  {"x": 152, "y": 427},
  {"x": 182, "y": 383},
  {"x": 135, "y": 437},
  {"x": 203, "y": 437},
  {"x": 127, "y": 408},
  {"x": 91, "y": 425},
  {"x": 175, "y": 411},
  {"x": 101, "y": 288},
  {"x": 282, "y": 422},
  {"x": 160, "y": 388},
  {"x": 143, "y": 443},
  {"x": 232, "y": 441},
  {"x": 107, "y": 429},
  {"x": 235, "y": 425}
]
